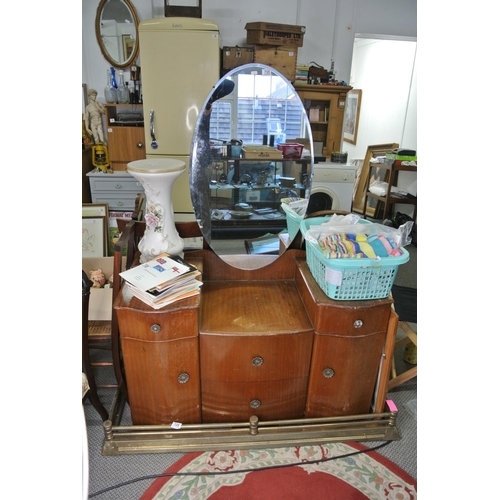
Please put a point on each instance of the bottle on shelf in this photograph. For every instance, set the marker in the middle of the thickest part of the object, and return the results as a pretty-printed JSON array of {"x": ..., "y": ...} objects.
[
  {"x": 123, "y": 95},
  {"x": 110, "y": 95}
]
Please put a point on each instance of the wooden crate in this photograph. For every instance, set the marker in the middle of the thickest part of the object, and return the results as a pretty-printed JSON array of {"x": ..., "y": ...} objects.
[
  {"x": 232, "y": 57},
  {"x": 262, "y": 33},
  {"x": 282, "y": 59}
]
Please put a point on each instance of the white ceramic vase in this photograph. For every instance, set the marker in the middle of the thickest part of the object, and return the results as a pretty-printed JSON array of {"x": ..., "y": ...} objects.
[{"x": 157, "y": 176}]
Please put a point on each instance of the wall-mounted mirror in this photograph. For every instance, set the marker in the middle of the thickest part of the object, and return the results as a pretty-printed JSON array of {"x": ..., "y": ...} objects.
[
  {"x": 251, "y": 153},
  {"x": 116, "y": 31}
]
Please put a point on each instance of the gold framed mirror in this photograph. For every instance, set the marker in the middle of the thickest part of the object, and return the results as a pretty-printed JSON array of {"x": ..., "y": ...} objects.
[
  {"x": 251, "y": 153},
  {"x": 116, "y": 25}
]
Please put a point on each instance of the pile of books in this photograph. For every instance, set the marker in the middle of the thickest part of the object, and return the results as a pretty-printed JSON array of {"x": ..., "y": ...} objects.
[
  {"x": 301, "y": 74},
  {"x": 163, "y": 280}
]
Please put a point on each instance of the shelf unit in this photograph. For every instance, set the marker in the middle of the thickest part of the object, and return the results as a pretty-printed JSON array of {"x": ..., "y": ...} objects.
[
  {"x": 329, "y": 101},
  {"x": 268, "y": 182},
  {"x": 126, "y": 139},
  {"x": 389, "y": 198}
]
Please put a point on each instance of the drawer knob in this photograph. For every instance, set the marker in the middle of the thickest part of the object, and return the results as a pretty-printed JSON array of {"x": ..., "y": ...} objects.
[
  {"x": 118, "y": 186},
  {"x": 257, "y": 361},
  {"x": 140, "y": 145},
  {"x": 183, "y": 378},
  {"x": 358, "y": 323},
  {"x": 155, "y": 328},
  {"x": 255, "y": 403},
  {"x": 328, "y": 373}
]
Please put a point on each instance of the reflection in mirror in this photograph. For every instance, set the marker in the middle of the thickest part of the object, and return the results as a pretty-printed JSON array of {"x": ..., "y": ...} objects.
[
  {"x": 251, "y": 155},
  {"x": 116, "y": 31}
]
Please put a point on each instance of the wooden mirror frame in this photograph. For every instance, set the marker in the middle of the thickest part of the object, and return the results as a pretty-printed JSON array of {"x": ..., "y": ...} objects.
[
  {"x": 135, "y": 52},
  {"x": 362, "y": 179}
]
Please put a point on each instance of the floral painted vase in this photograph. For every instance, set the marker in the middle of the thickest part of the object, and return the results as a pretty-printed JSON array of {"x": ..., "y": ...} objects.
[{"x": 157, "y": 176}]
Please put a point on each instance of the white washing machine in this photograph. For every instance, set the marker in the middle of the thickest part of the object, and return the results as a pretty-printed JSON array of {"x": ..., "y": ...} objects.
[{"x": 332, "y": 186}]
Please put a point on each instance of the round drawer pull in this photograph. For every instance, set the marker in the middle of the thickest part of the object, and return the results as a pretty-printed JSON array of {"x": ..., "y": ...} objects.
[
  {"x": 155, "y": 328},
  {"x": 358, "y": 323},
  {"x": 257, "y": 361},
  {"x": 328, "y": 373},
  {"x": 183, "y": 378},
  {"x": 140, "y": 145},
  {"x": 255, "y": 403},
  {"x": 118, "y": 186}
]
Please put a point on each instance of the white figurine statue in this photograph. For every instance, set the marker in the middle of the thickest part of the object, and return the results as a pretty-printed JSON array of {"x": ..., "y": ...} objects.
[{"x": 93, "y": 118}]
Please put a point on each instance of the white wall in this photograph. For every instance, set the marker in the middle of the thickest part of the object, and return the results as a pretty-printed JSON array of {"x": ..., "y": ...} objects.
[
  {"x": 385, "y": 71},
  {"x": 330, "y": 27}
]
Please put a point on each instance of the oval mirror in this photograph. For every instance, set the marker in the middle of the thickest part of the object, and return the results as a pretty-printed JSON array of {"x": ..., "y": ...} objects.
[
  {"x": 116, "y": 31},
  {"x": 251, "y": 160}
]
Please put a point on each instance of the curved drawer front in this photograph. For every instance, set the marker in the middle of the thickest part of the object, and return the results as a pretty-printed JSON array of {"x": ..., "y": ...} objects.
[
  {"x": 153, "y": 366},
  {"x": 157, "y": 327},
  {"x": 343, "y": 374},
  {"x": 261, "y": 358},
  {"x": 238, "y": 401},
  {"x": 356, "y": 322}
]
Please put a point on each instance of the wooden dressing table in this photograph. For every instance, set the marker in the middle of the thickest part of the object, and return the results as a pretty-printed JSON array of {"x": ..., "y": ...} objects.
[{"x": 261, "y": 358}]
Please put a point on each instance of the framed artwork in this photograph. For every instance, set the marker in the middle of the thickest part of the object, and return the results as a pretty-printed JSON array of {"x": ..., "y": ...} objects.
[
  {"x": 351, "y": 116},
  {"x": 94, "y": 236},
  {"x": 128, "y": 43},
  {"x": 362, "y": 182},
  {"x": 94, "y": 211}
]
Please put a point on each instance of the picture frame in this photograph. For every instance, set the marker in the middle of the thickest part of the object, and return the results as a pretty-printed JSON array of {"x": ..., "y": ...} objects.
[
  {"x": 362, "y": 181},
  {"x": 94, "y": 237},
  {"x": 128, "y": 44},
  {"x": 351, "y": 116},
  {"x": 85, "y": 98},
  {"x": 98, "y": 210}
]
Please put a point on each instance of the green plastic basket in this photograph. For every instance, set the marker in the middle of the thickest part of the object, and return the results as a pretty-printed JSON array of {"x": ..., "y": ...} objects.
[
  {"x": 293, "y": 223},
  {"x": 351, "y": 279}
]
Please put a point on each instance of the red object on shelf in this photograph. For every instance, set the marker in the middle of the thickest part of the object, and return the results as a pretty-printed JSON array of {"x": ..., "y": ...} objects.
[{"x": 291, "y": 151}]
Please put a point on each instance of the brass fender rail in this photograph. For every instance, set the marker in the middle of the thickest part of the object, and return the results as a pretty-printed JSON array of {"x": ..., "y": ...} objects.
[{"x": 135, "y": 439}]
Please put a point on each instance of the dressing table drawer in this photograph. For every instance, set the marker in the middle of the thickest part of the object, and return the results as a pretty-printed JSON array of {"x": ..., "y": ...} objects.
[
  {"x": 163, "y": 380},
  {"x": 238, "y": 401},
  {"x": 343, "y": 374},
  {"x": 255, "y": 358}
]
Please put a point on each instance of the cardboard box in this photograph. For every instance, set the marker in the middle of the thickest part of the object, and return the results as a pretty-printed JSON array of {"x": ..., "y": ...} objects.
[
  {"x": 232, "y": 57},
  {"x": 255, "y": 152},
  {"x": 263, "y": 33},
  {"x": 282, "y": 59},
  {"x": 101, "y": 299}
]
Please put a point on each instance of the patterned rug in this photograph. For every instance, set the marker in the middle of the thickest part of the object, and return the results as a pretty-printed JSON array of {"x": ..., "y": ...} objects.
[{"x": 227, "y": 475}]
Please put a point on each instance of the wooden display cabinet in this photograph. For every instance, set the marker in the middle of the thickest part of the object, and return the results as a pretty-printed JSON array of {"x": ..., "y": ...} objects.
[
  {"x": 328, "y": 103},
  {"x": 126, "y": 139}
]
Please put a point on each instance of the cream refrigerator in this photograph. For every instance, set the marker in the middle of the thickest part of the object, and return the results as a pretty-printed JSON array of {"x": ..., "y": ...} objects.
[{"x": 180, "y": 64}]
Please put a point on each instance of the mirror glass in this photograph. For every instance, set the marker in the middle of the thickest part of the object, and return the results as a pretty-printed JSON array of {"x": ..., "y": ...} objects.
[
  {"x": 116, "y": 31},
  {"x": 251, "y": 156}
]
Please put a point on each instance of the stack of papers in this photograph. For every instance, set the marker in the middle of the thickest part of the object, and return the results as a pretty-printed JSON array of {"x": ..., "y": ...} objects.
[{"x": 163, "y": 280}]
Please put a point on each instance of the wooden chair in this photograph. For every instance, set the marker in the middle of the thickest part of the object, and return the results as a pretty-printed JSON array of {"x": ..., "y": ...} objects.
[
  {"x": 405, "y": 305},
  {"x": 100, "y": 332},
  {"x": 87, "y": 369}
]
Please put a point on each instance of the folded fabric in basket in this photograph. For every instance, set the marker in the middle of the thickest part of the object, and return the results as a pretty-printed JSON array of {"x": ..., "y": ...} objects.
[{"x": 357, "y": 246}]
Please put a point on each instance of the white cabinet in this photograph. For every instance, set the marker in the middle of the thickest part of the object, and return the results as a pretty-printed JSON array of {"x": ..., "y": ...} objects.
[{"x": 119, "y": 190}]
